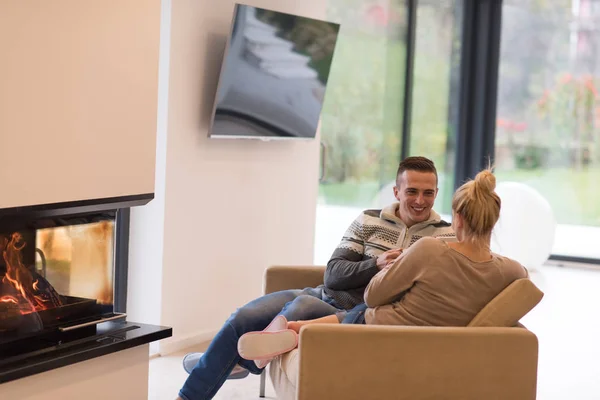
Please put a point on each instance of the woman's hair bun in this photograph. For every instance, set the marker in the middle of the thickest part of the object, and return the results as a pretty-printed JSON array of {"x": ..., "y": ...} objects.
[{"x": 486, "y": 180}]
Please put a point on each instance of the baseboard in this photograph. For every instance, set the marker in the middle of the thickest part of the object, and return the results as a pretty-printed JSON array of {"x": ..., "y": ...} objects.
[{"x": 175, "y": 344}]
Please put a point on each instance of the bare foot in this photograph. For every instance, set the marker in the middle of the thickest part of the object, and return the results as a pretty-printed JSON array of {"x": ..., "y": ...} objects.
[{"x": 295, "y": 325}]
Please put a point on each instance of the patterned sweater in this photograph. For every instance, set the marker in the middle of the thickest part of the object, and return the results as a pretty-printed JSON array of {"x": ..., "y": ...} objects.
[{"x": 373, "y": 232}]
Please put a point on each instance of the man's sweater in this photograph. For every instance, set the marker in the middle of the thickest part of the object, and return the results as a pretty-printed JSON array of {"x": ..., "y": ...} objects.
[{"x": 354, "y": 261}]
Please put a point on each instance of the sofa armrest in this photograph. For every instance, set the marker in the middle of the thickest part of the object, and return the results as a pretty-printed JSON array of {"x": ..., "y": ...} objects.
[
  {"x": 395, "y": 362},
  {"x": 508, "y": 307},
  {"x": 280, "y": 277}
]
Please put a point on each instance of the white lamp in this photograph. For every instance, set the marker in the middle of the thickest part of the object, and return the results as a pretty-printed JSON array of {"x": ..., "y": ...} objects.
[{"x": 526, "y": 228}]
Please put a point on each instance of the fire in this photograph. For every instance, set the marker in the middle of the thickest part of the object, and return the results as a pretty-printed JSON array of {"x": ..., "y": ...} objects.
[
  {"x": 17, "y": 304},
  {"x": 31, "y": 295},
  {"x": 8, "y": 299}
]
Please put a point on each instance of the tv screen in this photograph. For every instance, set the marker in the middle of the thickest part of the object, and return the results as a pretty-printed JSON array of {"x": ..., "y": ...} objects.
[{"x": 274, "y": 75}]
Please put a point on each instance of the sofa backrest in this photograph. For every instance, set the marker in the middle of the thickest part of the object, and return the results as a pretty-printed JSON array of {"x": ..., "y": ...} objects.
[{"x": 512, "y": 304}]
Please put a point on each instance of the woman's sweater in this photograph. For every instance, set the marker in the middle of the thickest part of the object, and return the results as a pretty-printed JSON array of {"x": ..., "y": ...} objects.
[{"x": 435, "y": 285}]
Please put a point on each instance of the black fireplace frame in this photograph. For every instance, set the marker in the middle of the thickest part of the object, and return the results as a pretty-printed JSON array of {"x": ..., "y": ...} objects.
[
  {"x": 120, "y": 205},
  {"x": 122, "y": 224}
]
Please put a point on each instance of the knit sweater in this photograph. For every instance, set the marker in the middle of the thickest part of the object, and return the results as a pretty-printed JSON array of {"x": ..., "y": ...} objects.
[
  {"x": 435, "y": 285},
  {"x": 354, "y": 261}
]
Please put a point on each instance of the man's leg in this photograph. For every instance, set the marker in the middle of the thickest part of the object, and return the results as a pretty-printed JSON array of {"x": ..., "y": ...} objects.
[
  {"x": 258, "y": 345},
  {"x": 221, "y": 357},
  {"x": 307, "y": 306},
  {"x": 191, "y": 359},
  {"x": 355, "y": 316}
]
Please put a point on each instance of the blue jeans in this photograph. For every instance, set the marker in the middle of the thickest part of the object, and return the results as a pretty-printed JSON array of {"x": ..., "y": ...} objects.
[
  {"x": 221, "y": 357},
  {"x": 354, "y": 316}
]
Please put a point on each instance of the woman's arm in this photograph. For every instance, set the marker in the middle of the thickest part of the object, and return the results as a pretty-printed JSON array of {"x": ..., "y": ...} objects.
[{"x": 391, "y": 282}]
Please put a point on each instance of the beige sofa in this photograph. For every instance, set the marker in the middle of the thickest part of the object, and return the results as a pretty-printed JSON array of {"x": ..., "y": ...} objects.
[{"x": 494, "y": 358}]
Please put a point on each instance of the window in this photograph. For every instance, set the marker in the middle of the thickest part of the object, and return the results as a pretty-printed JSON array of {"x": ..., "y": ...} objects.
[
  {"x": 361, "y": 122},
  {"x": 436, "y": 76},
  {"x": 548, "y": 113}
]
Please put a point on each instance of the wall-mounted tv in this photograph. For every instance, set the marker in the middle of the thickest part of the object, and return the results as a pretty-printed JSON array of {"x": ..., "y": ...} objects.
[{"x": 274, "y": 75}]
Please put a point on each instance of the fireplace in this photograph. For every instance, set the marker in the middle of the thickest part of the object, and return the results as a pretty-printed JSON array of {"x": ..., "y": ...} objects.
[
  {"x": 56, "y": 273},
  {"x": 62, "y": 273}
]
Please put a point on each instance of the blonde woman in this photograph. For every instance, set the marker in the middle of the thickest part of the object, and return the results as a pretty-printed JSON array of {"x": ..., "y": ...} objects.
[{"x": 433, "y": 283}]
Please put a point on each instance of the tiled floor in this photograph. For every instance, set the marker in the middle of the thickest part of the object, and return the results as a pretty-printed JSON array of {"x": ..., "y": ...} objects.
[{"x": 567, "y": 323}]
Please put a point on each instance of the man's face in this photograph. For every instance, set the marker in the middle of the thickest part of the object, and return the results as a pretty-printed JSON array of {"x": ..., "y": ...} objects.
[{"x": 416, "y": 192}]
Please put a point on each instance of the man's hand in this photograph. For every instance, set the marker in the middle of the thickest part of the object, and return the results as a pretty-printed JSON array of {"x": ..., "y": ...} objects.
[
  {"x": 392, "y": 262},
  {"x": 387, "y": 257}
]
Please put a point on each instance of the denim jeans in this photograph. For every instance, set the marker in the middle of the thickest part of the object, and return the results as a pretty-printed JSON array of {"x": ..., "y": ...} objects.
[
  {"x": 220, "y": 358},
  {"x": 354, "y": 316}
]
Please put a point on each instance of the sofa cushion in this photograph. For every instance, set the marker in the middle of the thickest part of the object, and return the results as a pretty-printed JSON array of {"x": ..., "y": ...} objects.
[
  {"x": 290, "y": 364},
  {"x": 512, "y": 304},
  {"x": 284, "y": 374}
]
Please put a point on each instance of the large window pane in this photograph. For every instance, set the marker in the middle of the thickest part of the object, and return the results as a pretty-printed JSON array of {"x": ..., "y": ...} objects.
[
  {"x": 548, "y": 127},
  {"x": 436, "y": 78},
  {"x": 362, "y": 115},
  {"x": 361, "y": 119}
]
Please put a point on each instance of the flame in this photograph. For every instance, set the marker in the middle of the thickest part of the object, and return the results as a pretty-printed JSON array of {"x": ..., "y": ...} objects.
[
  {"x": 20, "y": 306},
  {"x": 32, "y": 296},
  {"x": 8, "y": 299}
]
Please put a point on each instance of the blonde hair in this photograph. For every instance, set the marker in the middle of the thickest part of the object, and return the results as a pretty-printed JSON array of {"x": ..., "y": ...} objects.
[{"x": 478, "y": 205}]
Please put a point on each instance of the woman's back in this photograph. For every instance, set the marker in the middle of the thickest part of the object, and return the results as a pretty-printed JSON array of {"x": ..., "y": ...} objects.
[{"x": 433, "y": 284}]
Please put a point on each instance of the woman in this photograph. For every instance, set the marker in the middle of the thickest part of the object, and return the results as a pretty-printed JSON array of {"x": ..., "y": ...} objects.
[{"x": 433, "y": 283}]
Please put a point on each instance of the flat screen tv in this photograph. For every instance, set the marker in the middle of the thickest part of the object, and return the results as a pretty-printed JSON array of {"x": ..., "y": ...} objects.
[{"x": 274, "y": 75}]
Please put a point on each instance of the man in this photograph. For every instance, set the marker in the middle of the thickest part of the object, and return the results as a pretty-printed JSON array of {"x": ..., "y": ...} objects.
[{"x": 374, "y": 239}]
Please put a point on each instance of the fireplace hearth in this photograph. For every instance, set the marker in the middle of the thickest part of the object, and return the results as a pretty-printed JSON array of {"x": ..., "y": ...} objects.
[{"x": 60, "y": 272}]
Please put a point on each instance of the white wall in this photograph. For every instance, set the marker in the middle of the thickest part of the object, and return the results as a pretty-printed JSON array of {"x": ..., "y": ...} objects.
[
  {"x": 78, "y": 90},
  {"x": 231, "y": 207},
  {"x": 146, "y": 234}
]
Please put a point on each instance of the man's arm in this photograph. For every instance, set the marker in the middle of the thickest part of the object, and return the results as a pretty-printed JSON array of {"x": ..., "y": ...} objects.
[{"x": 347, "y": 270}]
